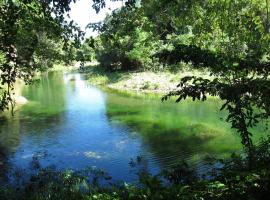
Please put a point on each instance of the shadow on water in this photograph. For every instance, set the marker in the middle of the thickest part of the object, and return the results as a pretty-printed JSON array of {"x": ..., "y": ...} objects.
[{"x": 175, "y": 132}]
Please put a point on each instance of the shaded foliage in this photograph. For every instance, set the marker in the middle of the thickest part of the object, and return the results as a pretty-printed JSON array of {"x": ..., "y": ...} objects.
[
  {"x": 230, "y": 39},
  {"x": 126, "y": 41},
  {"x": 32, "y": 36}
]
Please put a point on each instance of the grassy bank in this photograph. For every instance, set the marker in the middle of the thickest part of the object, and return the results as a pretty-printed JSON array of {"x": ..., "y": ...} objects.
[{"x": 138, "y": 81}]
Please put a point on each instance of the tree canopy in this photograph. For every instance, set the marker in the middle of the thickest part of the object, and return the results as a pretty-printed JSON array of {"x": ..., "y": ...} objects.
[
  {"x": 228, "y": 38},
  {"x": 33, "y": 34}
]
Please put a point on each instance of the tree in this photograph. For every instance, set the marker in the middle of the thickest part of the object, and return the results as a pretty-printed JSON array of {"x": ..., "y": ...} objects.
[
  {"x": 126, "y": 40},
  {"x": 231, "y": 39},
  {"x": 29, "y": 31},
  {"x": 228, "y": 38}
]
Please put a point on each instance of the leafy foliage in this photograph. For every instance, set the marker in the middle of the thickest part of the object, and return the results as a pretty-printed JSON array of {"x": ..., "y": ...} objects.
[
  {"x": 231, "y": 39},
  {"x": 228, "y": 38},
  {"x": 31, "y": 38},
  {"x": 126, "y": 41}
]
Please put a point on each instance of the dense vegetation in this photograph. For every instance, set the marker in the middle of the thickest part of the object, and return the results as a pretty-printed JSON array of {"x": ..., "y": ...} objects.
[
  {"x": 228, "y": 38},
  {"x": 33, "y": 36}
]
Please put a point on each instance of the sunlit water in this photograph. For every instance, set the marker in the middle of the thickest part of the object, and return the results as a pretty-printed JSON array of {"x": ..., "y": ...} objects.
[{"x": 69, "y": 124}]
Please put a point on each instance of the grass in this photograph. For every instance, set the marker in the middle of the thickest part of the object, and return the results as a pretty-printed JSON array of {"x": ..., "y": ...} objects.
[{"x": 62, "y": 67}]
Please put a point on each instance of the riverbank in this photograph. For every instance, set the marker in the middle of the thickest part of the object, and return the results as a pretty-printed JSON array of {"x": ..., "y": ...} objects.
[{"x": 159, "y": 82}]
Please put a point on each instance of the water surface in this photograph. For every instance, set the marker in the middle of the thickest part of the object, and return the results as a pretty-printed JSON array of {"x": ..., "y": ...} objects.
[{"x": 69, "y": 124}]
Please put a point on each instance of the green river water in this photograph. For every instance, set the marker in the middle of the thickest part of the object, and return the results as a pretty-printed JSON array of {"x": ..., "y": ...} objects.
[{"x": 69, "y": 124}]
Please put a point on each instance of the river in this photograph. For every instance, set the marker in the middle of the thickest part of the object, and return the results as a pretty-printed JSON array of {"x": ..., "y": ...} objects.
[{"x": 70, "y": 124}]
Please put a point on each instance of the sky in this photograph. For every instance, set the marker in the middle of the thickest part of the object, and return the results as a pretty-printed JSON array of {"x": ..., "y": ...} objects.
[{"x": 83, "y": 13}]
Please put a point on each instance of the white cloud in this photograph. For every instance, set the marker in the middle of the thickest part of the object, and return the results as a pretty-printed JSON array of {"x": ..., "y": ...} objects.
[{"x": 83, "y": 13}]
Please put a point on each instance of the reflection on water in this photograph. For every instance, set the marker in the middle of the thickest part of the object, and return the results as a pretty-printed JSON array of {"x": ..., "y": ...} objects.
[{"x": 70, "y": 124}]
